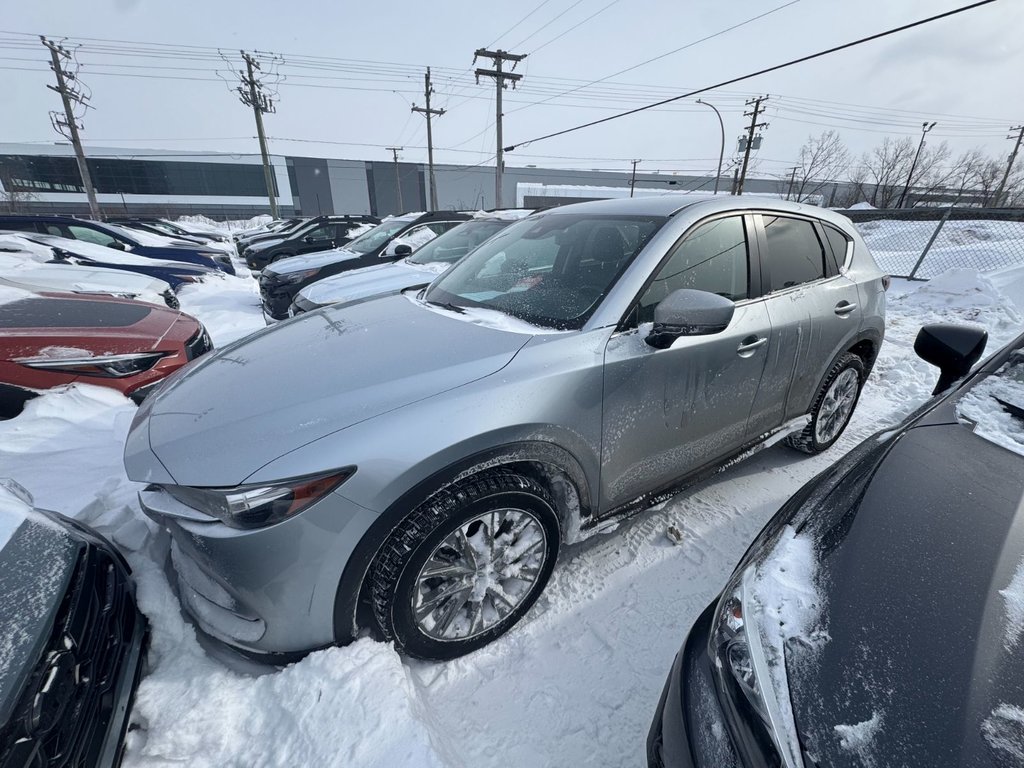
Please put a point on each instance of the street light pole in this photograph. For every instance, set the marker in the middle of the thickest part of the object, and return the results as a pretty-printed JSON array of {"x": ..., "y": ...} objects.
[
  {"x": 721, "y": 151},
  {"x": 925, "y": 127}
]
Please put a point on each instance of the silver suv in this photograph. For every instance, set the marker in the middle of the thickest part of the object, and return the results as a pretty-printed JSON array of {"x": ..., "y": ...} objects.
[{"x": 412, "y": 465}]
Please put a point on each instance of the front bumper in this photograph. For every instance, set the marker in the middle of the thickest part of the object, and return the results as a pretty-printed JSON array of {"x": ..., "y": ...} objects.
[
  {"x": 689, "y": 729},
  {"x": 277, "y": 298},
  {"x": 256, "y": 260},
  {"x": 99, "y": 631},
  {"x": 267, "y": 592}
]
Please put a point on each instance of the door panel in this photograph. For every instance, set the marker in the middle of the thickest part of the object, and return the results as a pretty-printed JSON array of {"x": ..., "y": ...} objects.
[
  {"x": 670, "y": 411},
  {"x": 787, "y": 359}
]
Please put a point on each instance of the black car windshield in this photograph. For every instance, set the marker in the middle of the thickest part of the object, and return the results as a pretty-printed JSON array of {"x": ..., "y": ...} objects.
[
  {"x": 457, "y": 242},
  {"x": 551, "y": 270},
  {"x": 377, "y": 236}
]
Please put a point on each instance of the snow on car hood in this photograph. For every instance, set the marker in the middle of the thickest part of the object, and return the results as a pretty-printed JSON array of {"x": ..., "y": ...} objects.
[
  {"x": 65, "y": 277},
  {"x": 311, "y": 261},
  {"x": 239, "y": 408},
  {"x": 368, "y": 283}
]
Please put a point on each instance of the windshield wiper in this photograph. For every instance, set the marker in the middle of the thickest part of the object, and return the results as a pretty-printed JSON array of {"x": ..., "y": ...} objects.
[
  {"x": 448, "y": 305},
  {"x": 1014, "y": 410}
]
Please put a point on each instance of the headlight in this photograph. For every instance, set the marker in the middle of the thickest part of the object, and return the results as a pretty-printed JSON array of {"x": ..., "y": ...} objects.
[
  {"x": 769, "y": 611},
  {"x": 297, "y": 277},
  {"x": 258, "y": 505},
  {"x": 106, "y": 366}
]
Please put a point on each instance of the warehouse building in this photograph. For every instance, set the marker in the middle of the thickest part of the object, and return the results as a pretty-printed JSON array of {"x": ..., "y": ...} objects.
[{"x": 45, "y": 179}]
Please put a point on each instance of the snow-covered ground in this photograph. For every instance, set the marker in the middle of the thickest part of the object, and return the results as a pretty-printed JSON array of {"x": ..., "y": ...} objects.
[{"x": 574, "y": 684}]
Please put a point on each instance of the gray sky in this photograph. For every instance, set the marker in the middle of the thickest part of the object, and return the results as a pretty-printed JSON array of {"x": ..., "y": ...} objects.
[{"x": 961, "y": 72}]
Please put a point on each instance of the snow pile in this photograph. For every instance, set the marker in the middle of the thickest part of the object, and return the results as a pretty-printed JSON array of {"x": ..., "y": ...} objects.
[
  {"x": 343, "y": 707},
  {"x": 989, "y": 404},
  {"x": 230, "y": 307},
  {"x": 862, "y": 206},
  {"x": 965, "y": 289},
  {"x": 1003, "y": 731},
  {"x": 218, "y": 227},
  {"x": 859, "y": 737}
]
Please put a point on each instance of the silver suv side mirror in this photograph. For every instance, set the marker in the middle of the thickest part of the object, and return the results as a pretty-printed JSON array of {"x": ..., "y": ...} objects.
[{"x": 687, "y": 312}]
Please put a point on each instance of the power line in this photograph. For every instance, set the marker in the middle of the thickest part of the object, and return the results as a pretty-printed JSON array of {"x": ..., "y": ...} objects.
[
  {"x": 575, "y": 26},
  {"x": 546, "y": 25},
  {"x": 528, "y": 15},
  {"x": 774, "y": 68}
]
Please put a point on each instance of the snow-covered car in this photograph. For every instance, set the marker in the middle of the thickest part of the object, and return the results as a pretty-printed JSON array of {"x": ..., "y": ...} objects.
[
  {"x": 117, "y": 238},
  {"x": 876, "y": 619},
  {"x": 176, "y": 234},
  {"x": 19, "y": 269},
  {"x": 47, "y": 341},
  {"x": 321, "y": 233},
  {"x": 417, "y": 469},
  {"x": 414, "y": 271},
  {"x": 392, "y": 239},
  {"x": 60, "y": 250},
  {"x": 73, "y": 640}
]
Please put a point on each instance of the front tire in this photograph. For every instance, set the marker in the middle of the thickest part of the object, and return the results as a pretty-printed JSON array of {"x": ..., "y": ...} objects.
[
  {"x": 465, "y": 566},
  {"x": 834, "y": 405}
]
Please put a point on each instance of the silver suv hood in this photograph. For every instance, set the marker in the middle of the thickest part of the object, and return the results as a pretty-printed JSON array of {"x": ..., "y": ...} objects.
[
  {"x": 239, "y": 408},
  {"x": 368, "y": 283}
]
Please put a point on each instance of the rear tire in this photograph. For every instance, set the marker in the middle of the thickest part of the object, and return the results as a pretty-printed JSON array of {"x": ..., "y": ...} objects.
[
  {"x": 833, "y": 406},
  {"x": 465, "y": 566}
]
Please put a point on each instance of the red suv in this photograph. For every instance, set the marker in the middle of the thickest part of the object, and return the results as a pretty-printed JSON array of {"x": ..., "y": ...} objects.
[{"x": 51, "y": 339}]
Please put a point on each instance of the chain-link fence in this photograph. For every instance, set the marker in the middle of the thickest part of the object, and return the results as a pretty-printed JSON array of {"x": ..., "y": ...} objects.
[{"x": 921, "y": 243}]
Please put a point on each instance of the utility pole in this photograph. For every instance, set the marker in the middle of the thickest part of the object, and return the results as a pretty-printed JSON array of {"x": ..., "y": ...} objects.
[
  {"x": 792, "y": 180},
  {"x": 1009, "y": 165},
  {"x": 427, "y": 90},
  {"x": 754, "y": 125},
  {"x": 252, "y": 95},
  {"x": 398, "y": 177},
  {"x": 499, "y": 57},
  {"x": 70, "y": 94},
  {"x": 925, "y": 127},
  {"x": 632, "y": 179}
]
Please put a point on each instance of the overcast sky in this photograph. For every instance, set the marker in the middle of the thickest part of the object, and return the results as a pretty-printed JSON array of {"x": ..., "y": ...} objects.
[{"x": 962, "y": 72}]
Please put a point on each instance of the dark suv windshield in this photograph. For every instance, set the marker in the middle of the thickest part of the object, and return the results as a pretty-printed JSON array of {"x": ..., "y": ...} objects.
[
  {"x": 377, "y": 236},
  {"x": 456, "y": 243},
  {"x": 550, "y": 270}
]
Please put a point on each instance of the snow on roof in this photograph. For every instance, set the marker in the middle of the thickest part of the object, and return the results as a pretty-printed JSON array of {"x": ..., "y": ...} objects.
[
  {"x": 9, "y": 294},
  {"x": 987, "y": 406},
  {"x": 511, "y": 214}
]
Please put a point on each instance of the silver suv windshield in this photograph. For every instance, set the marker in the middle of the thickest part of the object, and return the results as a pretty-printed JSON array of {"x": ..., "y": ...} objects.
[
  {"x": 550, "y": 270},
  {"x": 377, "y": 236},
  {"x": 457, "y": 242}
]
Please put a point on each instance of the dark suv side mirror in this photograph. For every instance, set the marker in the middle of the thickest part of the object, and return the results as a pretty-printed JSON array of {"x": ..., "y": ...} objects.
[
  {"x": 953, "y": 349},
  {"x": 309, "y": 239},
  {"x": 402, "y": 250},
  {"x": 687, "y": 312},
  {"x": 117, "y": 245}
]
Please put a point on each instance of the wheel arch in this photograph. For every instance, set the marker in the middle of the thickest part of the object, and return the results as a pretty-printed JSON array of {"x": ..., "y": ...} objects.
[{"x": 554, "y": 467}]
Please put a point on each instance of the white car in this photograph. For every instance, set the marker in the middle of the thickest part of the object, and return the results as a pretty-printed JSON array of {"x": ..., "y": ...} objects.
[{"x": 22, "y": 265}]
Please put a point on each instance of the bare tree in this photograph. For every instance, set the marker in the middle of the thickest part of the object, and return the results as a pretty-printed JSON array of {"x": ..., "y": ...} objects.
[
  {"x": 13, "y": 197},
  {"x": 822, "y": 160}
]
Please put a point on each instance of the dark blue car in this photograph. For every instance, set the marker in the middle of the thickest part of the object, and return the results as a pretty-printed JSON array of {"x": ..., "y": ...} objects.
[
  {"x": 80, "y": 252},
  {"x": 112, "y": 236}
]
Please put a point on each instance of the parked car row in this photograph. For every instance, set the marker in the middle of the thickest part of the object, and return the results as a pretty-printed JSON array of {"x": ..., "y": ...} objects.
[{"x": 519, "y": 380}]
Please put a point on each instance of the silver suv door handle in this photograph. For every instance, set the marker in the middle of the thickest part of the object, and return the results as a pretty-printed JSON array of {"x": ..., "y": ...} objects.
[
  {"x": 750, "y": 346},
  {"x": 845, "y": 308}
]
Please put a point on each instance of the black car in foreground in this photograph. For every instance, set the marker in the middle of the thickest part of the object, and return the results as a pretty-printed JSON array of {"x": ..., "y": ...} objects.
[
  {"x": 71, "y": 640},
  {"x": 318, "y": 234},
  {"x": 878, "y": 618}
]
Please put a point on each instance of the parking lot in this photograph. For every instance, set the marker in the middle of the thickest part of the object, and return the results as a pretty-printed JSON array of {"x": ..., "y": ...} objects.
[{"x": 575, "y": 683}]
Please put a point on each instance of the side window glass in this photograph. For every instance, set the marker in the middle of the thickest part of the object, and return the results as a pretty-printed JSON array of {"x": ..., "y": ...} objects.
[
  {"x": 418, "y": 236},
  {"x": 53, "y": 229},
  {"x": 712, "y": 257},
  {"x": 323, "y": 233},
  {"x": 91, "y": 236},
  {"x": 839, "y": 243},
  {"x": 795, "y": 255}
]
